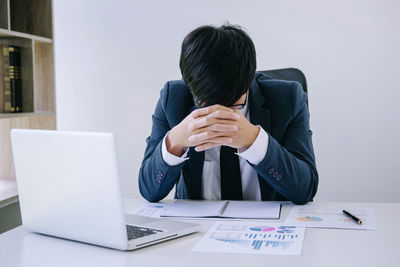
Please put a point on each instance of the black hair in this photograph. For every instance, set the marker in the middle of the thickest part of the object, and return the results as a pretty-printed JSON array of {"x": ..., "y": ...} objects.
[{"x": 218, "y": 64}]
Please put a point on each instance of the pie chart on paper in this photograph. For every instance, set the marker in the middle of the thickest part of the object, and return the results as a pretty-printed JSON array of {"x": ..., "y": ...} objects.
[
  {"x": 262, "y": 228},
  {"x": 309, "y": 219}
]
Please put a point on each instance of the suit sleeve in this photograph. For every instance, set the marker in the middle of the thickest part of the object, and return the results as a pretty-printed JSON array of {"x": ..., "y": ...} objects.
[
  {"x": 289, "y": 166},
  {"x": 156, "y": 177}
]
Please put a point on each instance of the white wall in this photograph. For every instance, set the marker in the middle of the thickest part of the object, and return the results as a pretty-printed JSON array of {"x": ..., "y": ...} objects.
[{"x": 113, "y": 57}]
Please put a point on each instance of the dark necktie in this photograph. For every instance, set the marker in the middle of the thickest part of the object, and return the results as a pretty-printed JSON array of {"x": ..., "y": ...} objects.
[{"x": 231, "y": 183}]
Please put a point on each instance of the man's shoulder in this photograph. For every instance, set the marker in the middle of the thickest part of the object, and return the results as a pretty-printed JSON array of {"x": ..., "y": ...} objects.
[
  {"x": 176, "y": 90},
  {"x": 270, "y": 85},
  {"x": 177, "y": 87},
  {"x": 176, "y": 101},
  {"x": 280, "y": 94}
]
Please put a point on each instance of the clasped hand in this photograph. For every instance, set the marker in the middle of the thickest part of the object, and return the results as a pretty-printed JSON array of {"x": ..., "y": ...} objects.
[{"x": 209, "y": 127}]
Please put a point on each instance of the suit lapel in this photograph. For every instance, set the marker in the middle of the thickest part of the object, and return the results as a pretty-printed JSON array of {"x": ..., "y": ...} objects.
[{"x": 259, "y": 114}]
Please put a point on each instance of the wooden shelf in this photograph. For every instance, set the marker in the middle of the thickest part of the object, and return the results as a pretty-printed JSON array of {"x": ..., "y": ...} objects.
[
  {"x": 27, "y": 24},
  {"x": 43, "y": 77},
  {"x": 36, "y": 120},
  {"x": 25, "y": 114},
  {"x": 9, "y": 33},
  {"x": 31, "y": 17},
  {"x": 4, "y": 14}
]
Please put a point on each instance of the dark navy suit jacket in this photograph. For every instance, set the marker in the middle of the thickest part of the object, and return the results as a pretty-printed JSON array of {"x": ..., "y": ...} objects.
[{"x": 288, "y": 170}]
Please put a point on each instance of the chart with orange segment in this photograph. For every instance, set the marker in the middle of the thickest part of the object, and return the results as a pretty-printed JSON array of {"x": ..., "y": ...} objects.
[{"x": 320, "y": 215}]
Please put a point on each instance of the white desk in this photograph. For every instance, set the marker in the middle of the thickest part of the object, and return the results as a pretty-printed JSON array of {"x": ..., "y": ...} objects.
[{"x": 322, "y": 247}]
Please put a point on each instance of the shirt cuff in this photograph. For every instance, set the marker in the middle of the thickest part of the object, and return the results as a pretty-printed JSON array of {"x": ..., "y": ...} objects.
[
  {"x": 169, "y": 158},
  {"x": 256, "y": 152}
]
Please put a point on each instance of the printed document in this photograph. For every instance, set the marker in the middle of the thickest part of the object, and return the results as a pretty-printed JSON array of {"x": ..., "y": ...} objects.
[
  {"x": 320, "y": 215},
  {"x": 212, "y": 209},
  {"x": 252, "y": 238}
]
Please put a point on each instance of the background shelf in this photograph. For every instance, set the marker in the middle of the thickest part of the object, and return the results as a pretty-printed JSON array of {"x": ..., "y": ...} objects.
[
  {"x": 28, "y": 25},
  {"x": 40, "y": 120},
  {"x": 31, "y": 17},
  {"x": 4, "y": 14},
  {"x": 9, "y": 34}
]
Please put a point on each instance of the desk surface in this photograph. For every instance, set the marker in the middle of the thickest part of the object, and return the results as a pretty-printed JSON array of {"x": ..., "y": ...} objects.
[{"x": 322, "y": 247}]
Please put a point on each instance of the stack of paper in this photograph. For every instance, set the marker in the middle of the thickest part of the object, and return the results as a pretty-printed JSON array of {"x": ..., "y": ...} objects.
[
  {"x": 212, "y": 209},
  {"x": 223, "y": 209}
]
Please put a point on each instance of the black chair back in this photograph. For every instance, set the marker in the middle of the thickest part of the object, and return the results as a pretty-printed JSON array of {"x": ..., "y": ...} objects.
[{"x": 288, "y": 74}]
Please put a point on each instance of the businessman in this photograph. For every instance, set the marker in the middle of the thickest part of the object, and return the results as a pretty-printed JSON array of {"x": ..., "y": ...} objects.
[{"x": 227, "y": 132}]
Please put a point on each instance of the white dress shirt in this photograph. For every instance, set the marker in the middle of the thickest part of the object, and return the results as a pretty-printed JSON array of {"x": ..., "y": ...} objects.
[{"x": 211, "y": 183}]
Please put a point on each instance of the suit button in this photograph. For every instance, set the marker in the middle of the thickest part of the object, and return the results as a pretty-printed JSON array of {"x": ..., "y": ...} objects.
[
  {"x": 279, "y": 177},
  {"x": 275, "y": 175},
  {"x": 159, "y": 176},
  {"x": 271, "y": 171}
]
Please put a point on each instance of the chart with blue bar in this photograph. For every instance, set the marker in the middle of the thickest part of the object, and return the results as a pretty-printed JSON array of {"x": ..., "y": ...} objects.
[{"x": 253, "y": 238}]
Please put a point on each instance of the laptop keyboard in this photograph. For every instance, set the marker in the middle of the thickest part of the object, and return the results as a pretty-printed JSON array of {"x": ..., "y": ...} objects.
[{"x": 136, "y": 231}]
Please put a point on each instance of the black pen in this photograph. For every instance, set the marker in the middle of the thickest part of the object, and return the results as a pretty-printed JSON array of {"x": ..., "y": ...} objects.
[{"x": 357, "y": 220}]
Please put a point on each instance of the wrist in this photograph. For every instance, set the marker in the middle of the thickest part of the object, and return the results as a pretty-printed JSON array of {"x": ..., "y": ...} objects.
[
  {"x": 172, "y": 144},
  {"x": 255, "y": 130}
]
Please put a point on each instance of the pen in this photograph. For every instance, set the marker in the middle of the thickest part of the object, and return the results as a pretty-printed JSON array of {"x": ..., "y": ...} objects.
[{"x": 357, "y": 220}]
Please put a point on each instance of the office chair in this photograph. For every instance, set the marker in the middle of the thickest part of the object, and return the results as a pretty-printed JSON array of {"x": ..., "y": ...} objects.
[{"x": 288, "y": 74}]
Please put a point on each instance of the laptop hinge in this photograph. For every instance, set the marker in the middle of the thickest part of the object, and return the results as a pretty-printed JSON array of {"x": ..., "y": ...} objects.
[{"x": 156, "y": 240}]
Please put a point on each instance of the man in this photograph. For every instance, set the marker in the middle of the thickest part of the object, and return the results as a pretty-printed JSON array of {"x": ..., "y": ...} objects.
[{"x": 227, "y": 132}]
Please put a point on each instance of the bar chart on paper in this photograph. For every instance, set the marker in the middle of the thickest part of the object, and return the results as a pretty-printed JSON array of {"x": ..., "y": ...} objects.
[{"x": 252, "y": 238}]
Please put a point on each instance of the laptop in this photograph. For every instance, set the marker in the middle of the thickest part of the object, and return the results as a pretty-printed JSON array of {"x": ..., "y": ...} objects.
[{"x": 69, "y": 187}]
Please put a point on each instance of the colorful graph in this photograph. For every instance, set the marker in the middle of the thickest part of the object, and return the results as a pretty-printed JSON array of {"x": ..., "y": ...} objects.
[
  {"x": 255, "y": 238},
  {"x": 309, "y": 219},
  {"x": 284, "y": 236},
  {"x": 259, "y": 237},
  {"x": 286, "y": 231},
  {"x": 287, "y": 227},
  {"x": 274, "y": 244},
  {"x": 281, "y": 233},
  {"x": 262, "y": 228},
  {"x": 235, "y": 241},
  {"x": 257, "y": 244}
]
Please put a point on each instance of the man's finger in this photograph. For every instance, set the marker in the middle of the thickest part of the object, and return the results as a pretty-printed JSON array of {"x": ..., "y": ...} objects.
[
  {"x": 207, "y": 110},
  {"x": 206, "y": 146},
  {"x": 207, "y": 121},
  {"x": 213, "y": 143},
  {"x": 209, "y": 137},
  {"x": 223, "y": 114},
  {"x": 217, "y": 127}
]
